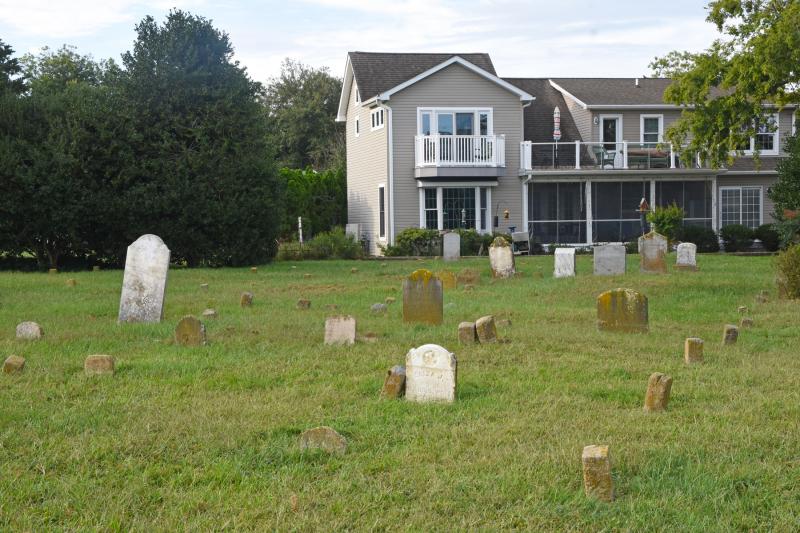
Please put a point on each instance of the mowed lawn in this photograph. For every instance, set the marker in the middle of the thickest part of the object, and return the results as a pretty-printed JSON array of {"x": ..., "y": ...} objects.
[{"x": 207, "y": 438}]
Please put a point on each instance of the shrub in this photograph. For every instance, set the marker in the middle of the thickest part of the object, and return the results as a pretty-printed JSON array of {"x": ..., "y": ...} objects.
[
  {"x": 705, "y": 238},
  {"x": 768, "y": 236},
  {"x": 472, "y": 241},
  {"x": 788, "y": 272},
  {"x": 667, "y": 220},
  {"x": 788, "y": 231},
  {"x": 334, "y": 244},
  {"x": 736, "y": 237},
  {"x": 415, "y": 241}
]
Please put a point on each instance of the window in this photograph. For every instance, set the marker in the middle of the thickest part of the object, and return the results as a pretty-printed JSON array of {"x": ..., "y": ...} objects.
[
  {"x": 484, "y": 207},
  {"x": 357, "y": 127},
  {"x": 652, "y": 129},
  {"x": 557, "y": 212},
  {"x": 766, "y": 139},
  {"x": 381, "y": 212},
  {"x": 377, "y": 118},
  {"x": 740, "y": 205},
  {"x": 431, "y": 210},
  {"x": 615, "y": 210},
  {"x": 458, "y": 207},
  {"x": 455, "y": 208},
  {"x": 454, "y": 121}
]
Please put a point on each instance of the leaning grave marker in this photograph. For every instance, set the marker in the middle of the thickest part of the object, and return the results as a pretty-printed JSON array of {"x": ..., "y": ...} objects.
[{"x": 145, "y": 281}]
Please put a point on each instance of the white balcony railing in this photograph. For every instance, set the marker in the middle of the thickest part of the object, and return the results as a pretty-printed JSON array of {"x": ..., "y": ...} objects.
[
  {"x": 600, "y": 156},
  {"x": 460, "y": 150}
]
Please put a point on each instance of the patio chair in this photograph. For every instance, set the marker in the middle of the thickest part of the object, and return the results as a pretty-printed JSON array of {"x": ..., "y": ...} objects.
[{"x": 604, "y": 157}]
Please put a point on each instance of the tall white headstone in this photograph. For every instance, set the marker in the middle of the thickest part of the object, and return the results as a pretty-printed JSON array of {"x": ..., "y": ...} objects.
[
  {"x": 451, "y": 246},
  {"x": 687, "y": 256},
  {"x": 501, "y": 258},
  {"x": 564, "y": 263},
  {"x": 430, "y": 374},
  {"x": 145, "y": 281},
  {"x": 609, "y": 260}
]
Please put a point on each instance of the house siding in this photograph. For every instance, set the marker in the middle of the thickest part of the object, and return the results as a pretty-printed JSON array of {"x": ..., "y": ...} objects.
[
  {"x": 454, "y": 86},
  {"x": 582, "y": 118},
  {"x": 367, "y": 168}
]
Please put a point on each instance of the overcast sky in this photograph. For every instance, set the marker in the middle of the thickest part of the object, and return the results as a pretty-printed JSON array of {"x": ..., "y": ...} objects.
[{"x": 534, "y": 38}]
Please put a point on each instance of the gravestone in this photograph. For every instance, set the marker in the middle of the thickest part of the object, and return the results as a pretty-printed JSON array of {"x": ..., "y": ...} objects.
[
  {"x": 390, "y": 300},
  {"x": 653, "y": 253},
  {"x": 72, "y": 282},
  {"x": 742, "y": 310},
  {"x": 687, "y": 256},
  {"x": 190, "y": 332},
  {"x": 501, "y": 258},
  {"x": 430, "y": 374},
  {"x": 658, "y": 389},
  {"x": 609, "y": 260},
  {"x": 303, "y": 304},
  {"x": 379, "y": 309},
  {"x": 254, "y": 270},
  {"x": 340, "y": 330},
  {"x": 597, "y": 481},
  {"x": 622, "y": 310},
  {"x": 98, "y": 365},
  {"x": 210, "y": 313},
  {"x": 746, "y": 322},
  {"x": 145, "y": 281},
  {"x": 394, "y": 386},
  {"x": 693, "y": 350},
  {"x": 486, "y": 330},
  {"x": 564, "y": 263},
  {"x": 468, "y": 276},
  {"x": 204, "y": 286},
  {"x": 323, "y": 438},
  {"x": 423, "y": 298},
  {"x": 467, "y": 333},
  {"x": 451, "y": 246},
  {"x": 447, "y": 278},
  {"x": 246, "y": 299},
  {"x": 13, "y": 364},
  {"x": 730, "y": 334},
  {"x": 29, "y": 331}
]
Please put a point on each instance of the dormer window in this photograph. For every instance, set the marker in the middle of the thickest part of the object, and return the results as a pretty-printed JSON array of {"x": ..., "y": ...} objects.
[{"x": 377, "y": 118}]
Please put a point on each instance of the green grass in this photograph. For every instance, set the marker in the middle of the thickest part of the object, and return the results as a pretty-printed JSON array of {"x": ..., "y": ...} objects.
[{"x": 206, "y": 438}]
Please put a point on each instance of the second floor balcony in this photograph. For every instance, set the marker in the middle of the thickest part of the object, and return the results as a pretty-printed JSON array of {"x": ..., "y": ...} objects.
[{"x": 460, "y": 151}]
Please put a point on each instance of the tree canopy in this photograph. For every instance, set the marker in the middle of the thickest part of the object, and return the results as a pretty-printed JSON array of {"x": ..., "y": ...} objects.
[{"x": 11, "y": 79}]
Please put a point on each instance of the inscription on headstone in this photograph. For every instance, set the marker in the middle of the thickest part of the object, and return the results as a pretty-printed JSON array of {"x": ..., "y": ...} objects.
[
  {"x": 564, "y": 263},
  {"x": 340, "y": 330},
  {"x": 430, "y": 374},
  {"x": 145, "y": 281}
]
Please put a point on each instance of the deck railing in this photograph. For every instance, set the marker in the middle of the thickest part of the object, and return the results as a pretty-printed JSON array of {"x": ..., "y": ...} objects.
[
  {"x": 601, "y": 156},
  {"x": 460, "y": 150}
]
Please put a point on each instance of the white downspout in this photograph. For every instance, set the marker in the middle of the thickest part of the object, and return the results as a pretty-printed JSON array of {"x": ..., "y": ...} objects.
[{"x": 391, "y": 175}]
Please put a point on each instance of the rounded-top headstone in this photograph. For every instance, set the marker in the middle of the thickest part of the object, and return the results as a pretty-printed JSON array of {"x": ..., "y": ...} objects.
[
  {"x": 144, "y": 281},
  {"x": 323, "y": 438},
  {"x": 98, "y": 365},
  {"x": 687, "y": 256},
  {"x": 430, "y": 374},
  {"x": 29, "y": 331},
  {"x": 190, "y": 332},
  {"x": 13, "y": 364},
  {"x": 501, "y": 258},
  {"x": 622, "y": 310}
]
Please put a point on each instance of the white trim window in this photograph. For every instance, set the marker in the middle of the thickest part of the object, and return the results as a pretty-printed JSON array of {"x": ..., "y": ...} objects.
[
  {"x": 454, "y": 121},
  {"x": 741, "y": 205},
  {"x": 454, "y": 207},
  {"x": 382, "y": 212},
  {"x": 766, "y": 139},
  {"x": 377, "y": 118},
  {"x": 651, "y": 129}
]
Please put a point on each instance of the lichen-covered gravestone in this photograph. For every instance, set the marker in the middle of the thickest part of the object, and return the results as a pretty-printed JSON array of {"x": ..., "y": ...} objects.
[
  {"x": 622, "y": 310},
  {"x": 693, "y": 350},
  {"x": 430, "y": 374},
  {"x": 448, "y": 279},
  {"x": 467, "y": 333},
  {"x": 501, "y": 258},
  {"x": 13, "y": 364},
  {"x": 29, "y": 331},
  {"x": 486, "y": 330},
  {"x": 451, "y": 246},
  {"x": 145, "y": 281},
  {"x": 323, "y": 438},
  {"x": 687, "y": 256},
  {"x": 190, "y": 332},
  {"x": 564, "y": 263},
  {"x": 609, "y": 260},
  {"x": 98, "y": 365},
  {"x": 423, "y": 298},
  {"x": 394, "y": 386},
  {"x": 653, "y": 253},
  {"x": 340, "y": 330},
  {"x": 658, "y": 388},
  {"x": 597, "y": 481}
]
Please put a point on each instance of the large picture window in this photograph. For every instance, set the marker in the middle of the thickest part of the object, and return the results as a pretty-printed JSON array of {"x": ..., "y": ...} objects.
[
  {"x": 740, "y": 205},
  {"x": 455, "y": 208},
  {"x": 557, "y": 212},
  {"x": 615, "y": 210}
]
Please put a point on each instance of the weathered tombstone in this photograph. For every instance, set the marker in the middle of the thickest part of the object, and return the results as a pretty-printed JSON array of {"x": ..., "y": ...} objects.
[
  {"x": 564, "y": 263},
  {"x": 622, "y": 310},
  {"x": 204, "y": 286},
  {"x": 190, "y": 332},
  {"x": 29, "y": 331},
  {"x": 303, "y": 304},
  {"x": 451, "y": 246},
  {"x": 96, "y": 268},
  {"x": 597, "y": 481},
  {"x": 52, "y": 271},
  {"x": 447, "y": 278},
  {"x": 658, "y": 389},
  {"x": 210, "y": 313},
  {"x": 145, "y": 281},
  {"x": 467, "y": 333},
  {"x": 468, "y": 276},
  {"x": 13, "y": 364},
  {"x": 390, "y": 300},
  {"x": 98, "y": 365},
  {"x": 379, "y": 309},
  {"x": 430, "y": 374},
  {"x": 687, "y": 256},
  {"x": 340, "y": 330},
  {"x": 609, "y": 260},
  {"x": 742, "y": 310},
  {"x": 693, "y": 350},
  {"x": 323, "y": 438},
  {"x": 423, "y": 298},
  {"x": 746, "y": 323},
  {"x": 653, "y": 253},
  {"x": 730, "y": 334},
  {"x": 254, "y": 270},
  {"x": 486, "y": 330},
  {"x": 501, "y": 258},
  {"x": 246, "y": 299},
  {"x": 394, "y": 386},
  {"x": 762, "y": 297},
  {"x": 72, "y": 282}
]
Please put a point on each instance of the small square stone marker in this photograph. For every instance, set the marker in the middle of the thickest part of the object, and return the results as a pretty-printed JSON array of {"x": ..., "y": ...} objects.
[
  {"x": 246, "y": 300},
  {"x": 340, "y": 330},
  {"x": 210, "y": 313},
  {"x": 204, "y": 286},
  {"x": 323, "y": 438},
  {"x": 693, "y": 350},
  {"x": 467, "y": 333},
  {"x": 742, "y": 309},
  {"x": 746, "y": 322},
  {"x": 190, "y": 332},
  {"x": 597, "y": 481},
  {"x": 29, "y": 331},
  {"x": 13, "y": 364},
  {"x": 303, "y": 304},
  {"x": 253, "y": 269},
  {"x": 730, "y": 334},
  {"x": 98, "y": 365},
  {"x": 658, "y": 389},
  {"x": 394, "y": 386},
  {"x": 72, "y": 282},
  {"x": 486, "y": 330}
]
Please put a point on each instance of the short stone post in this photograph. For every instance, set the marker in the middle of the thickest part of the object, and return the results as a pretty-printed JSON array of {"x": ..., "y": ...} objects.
[
  {"x": 658, "y": 388},
  {"x": 597, "y": 481},
  {"x": 693, "y": 350},
  {"x": 467, "y": 333},
  {"x": 730, "y": 335}
]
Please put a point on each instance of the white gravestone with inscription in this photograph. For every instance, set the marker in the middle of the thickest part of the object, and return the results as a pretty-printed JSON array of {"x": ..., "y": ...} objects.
[
  {"x": 609, "y": 260},
  {"x": 430, "y": 374},
  {"x": 451, "y": 246},
  {"x": 145, "y": 281},
  {"x": 564, "y": 263},
  {"x": 687, "y": 256}
]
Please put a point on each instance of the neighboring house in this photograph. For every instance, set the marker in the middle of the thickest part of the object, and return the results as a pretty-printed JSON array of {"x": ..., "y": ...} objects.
[{"x": 439, "y": 141}]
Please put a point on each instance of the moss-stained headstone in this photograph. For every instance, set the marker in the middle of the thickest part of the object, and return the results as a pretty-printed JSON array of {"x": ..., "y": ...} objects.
[
  {"x": 98, "y": 365},
  {"x": 658, "y": 388},
  {"x": 501, "y": 258},
  {"x": 653, "y": 253},
  {"x": 622, "y": 310},
  {"x": 730, "y": 334},
  {"x": 597, "y": 481},
  {"x": 448, "y": 279},
  {"x": 394, "y": 386},
  {"x": 423, "y": 298},
  {"x": 693, "y": 350},
  {"x": 190, "y": 332},
  {"x": 467, "y": 333},
  {"x": 13, "y": 364},
  {"x": 323, "y": 438},
  {"x": 486, "y": 329}
]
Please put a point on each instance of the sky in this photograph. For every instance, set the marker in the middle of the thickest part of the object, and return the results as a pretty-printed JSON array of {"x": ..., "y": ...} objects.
[{"x": 558, "y": 38}]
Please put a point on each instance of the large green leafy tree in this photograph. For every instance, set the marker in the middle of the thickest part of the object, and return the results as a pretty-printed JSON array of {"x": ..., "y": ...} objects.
[
  {"x": 302, "y": 103},
  {"x": 755, "y": 62},
  {"x": 320, "y": 198},
  {"x": 11, "y": 79},
  {"x": 203, "y": 178}
]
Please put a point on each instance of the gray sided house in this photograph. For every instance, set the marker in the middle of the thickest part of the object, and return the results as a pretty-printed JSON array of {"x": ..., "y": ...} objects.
[{"x": 439, "y": 141}]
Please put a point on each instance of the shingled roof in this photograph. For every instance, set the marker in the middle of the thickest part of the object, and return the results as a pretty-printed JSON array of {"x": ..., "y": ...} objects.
[
  {"x": 538, "y": 118},
  {"x": 376, "y": 72},
  {"x": 616, "y": 91}
]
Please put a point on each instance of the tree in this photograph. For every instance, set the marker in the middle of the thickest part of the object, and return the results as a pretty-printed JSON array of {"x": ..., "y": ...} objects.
[
  {"x": 11, "y": 80},
  {"x": 202, "y": 176},
  {"x": 302, "y": 104},
  {"x": 319, "y": 197},
  {"x": 726, "y": 86},
  {"x": 786, "y": 192}
]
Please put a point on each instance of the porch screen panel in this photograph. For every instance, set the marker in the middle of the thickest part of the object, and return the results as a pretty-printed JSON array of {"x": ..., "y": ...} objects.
[
  {"x": 557, "y": 212},
  {"x": 694, "y": 197},
  {"x": 615, "y": 210}
]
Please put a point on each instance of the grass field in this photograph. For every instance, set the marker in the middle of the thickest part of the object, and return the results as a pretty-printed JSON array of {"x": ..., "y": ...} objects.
[{"x": 206, "y": 438}]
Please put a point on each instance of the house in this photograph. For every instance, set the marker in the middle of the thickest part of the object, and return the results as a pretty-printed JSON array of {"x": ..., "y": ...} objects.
[{"x": 440, "y": 141}]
